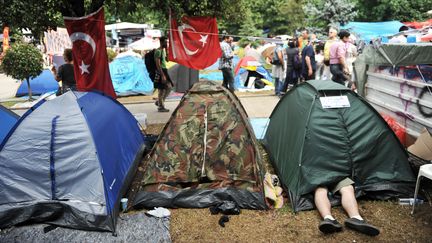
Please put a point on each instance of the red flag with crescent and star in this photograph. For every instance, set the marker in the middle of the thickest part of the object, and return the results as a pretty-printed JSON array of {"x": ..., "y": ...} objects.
[
  {"x": 90, "y": 58},
  {"x": 194, "y": 43}
]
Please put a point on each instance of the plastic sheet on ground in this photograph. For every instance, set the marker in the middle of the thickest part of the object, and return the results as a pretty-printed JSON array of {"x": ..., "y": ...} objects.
[
  {"x": 130, "y": 228},
  {"x": 259, "y": 126}
]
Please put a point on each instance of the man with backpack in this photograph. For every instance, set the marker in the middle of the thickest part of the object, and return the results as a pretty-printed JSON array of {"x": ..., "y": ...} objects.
[
  {"x": 278, "y": 68},
  {"x": 293, "y": 65},
  {"x": 162, "y": 81}
]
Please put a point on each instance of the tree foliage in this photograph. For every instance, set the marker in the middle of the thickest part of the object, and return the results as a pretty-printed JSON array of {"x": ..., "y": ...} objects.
[
  {"x": 31, "y": 14},
  {"x": 385, "y": 10},
  {"x": 331, "y": 12},
  {"x": 23, "y": 61}
]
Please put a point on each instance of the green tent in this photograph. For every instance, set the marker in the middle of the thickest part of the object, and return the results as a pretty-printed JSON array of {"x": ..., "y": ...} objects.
[
  {"x": 206, "y": 154},
  {"x": 312, "y": 146}
]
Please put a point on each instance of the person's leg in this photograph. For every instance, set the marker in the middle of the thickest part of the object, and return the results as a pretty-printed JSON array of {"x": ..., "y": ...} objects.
[
  {"x": 225, "y": 74},
  {"x": 230, "y": 79},
  {"x": 276, "y": 86},
  {"x": 355, "y": 221},
  {"x": 322, "y": 203},
  {"x": 349, "y": 202}
]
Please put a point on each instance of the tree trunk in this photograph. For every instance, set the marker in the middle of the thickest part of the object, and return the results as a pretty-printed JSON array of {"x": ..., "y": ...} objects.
[{"x": 29, "y": 89}]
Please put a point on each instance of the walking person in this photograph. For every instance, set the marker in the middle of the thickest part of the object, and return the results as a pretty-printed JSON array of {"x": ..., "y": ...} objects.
[
  {"x": 225, "y": 63},
  {"x": 308, "y": 62},
  {"x": 332, "y": 38},
  {"x": 162, "y": 80},
  {"x": 278, "y": 68},
  {"x": 65, "y": 73},
  {"x": 293, "y": 65},
  {"x": 338, "y": 65}
]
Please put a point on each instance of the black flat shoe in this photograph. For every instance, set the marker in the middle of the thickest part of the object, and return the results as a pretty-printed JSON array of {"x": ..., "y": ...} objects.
[
  {"x": 362, "y": 227},
  {"x": 328, "y": 226}
]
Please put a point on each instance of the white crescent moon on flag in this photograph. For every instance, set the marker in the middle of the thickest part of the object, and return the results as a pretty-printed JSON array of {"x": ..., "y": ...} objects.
[
  {"x": 85, "y": 37},
  {"x": 180, "y": 30}
]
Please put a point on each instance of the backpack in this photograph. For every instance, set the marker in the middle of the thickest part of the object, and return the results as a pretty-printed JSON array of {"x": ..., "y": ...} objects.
[
  {"x": 150, "y": 64},
  {"x": 297, "y": 63},
  {"x": 275, "y": 60}
]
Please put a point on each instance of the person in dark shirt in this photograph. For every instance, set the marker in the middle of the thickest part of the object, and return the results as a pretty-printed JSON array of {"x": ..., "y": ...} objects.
[
  {"x": 66, "y": 72},
  {"x": 292, "y": 73},
  {"x": 308, "y": 62}
]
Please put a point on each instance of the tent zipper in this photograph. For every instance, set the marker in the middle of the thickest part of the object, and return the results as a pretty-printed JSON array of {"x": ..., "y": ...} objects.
[{"x": 205, "y": 144}]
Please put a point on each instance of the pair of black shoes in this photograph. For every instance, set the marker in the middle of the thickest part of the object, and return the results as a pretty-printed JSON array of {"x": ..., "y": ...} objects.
[{"x": 328, "y": 226}]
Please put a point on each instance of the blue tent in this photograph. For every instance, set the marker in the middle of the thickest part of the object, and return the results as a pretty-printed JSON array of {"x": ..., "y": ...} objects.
[
  {"x": 44, "y": 83},
  {"x": 68, "y": 162},
  {"x": 241, "y": 77},
  {"x": 7, "y": 120},
  {"x": 130, "y": 77},
  {"x": 371, "y": 30}
]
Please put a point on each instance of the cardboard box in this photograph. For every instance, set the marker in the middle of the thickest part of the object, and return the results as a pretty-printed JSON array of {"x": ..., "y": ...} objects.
[{"x": 423, "y": 146}]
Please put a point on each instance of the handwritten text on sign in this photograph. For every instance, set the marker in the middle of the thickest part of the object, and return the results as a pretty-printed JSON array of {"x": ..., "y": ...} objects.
[{"x": 335, "y": 102}]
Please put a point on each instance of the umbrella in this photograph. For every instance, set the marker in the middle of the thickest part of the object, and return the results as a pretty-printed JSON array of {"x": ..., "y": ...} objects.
[{"x": 144, "y": 44}]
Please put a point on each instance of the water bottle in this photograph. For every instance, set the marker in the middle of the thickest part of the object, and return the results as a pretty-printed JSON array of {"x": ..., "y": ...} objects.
[{"x": 410, "y": 201}]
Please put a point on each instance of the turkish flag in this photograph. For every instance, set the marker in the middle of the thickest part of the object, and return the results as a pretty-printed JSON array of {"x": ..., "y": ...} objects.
[
  {"x": 195, "y": 42},
  {"x": 90, "y": 58}
]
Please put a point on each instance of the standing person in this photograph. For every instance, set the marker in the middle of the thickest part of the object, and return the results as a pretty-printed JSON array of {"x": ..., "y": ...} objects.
[
  {"x": 225, "y": 63},
  {"x": 304, "y": 39},
  {"x": 332, "y": 38},
  {"x": 308, "y": 62},
  {"x": 292, "y": 71},
  {"x": 278, "y": 68},
  {"x": 162, "y": 80},
  {"x": 338, "y": 65},
  {"x": 66, "y": 72}
]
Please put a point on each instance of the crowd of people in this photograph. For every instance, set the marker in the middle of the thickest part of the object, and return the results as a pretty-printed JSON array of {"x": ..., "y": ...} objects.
[{"x": 306, "y": 58}]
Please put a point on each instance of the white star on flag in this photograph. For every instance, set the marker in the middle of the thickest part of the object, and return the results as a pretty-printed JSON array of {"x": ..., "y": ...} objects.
[
  {"x": 203, "y": 39},
  {"x": 84, "y": 68}
]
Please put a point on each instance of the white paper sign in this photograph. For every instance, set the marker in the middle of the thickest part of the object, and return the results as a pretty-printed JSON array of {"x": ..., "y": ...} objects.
[{"x": 335, "y": 102}]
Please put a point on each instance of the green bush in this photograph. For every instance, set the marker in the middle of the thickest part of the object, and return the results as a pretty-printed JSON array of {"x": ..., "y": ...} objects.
[
  {"x": 111, "y": 54},
  {"x": 23, "y": 61}
]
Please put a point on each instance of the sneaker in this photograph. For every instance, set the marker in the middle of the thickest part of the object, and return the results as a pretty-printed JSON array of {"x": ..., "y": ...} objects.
[
  {"x": 157, "y": 103},
  {"x": 163, "y": 109},
  {"x": 328, "y": 226},
  {"x": 362, "y": 227}
]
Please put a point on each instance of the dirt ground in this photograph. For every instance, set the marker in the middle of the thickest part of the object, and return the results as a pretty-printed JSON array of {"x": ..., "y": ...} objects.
[{"x": 282, "y": 225}]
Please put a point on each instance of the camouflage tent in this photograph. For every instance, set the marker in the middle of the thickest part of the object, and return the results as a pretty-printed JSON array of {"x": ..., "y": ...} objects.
[{"x": 206, "y": 153}]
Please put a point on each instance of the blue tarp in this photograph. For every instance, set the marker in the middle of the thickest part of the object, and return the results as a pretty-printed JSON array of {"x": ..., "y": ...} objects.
[
  {"x": 371, "y": 30},
  {"x": 129, "y": 76},
  {"x": 7, "y": 120},
  {"x": 239, "y": 83},
  {"x": 259, "y": 126},
  {"x": 44, "y": 83},
  {"x": 213, "y": 73}
]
